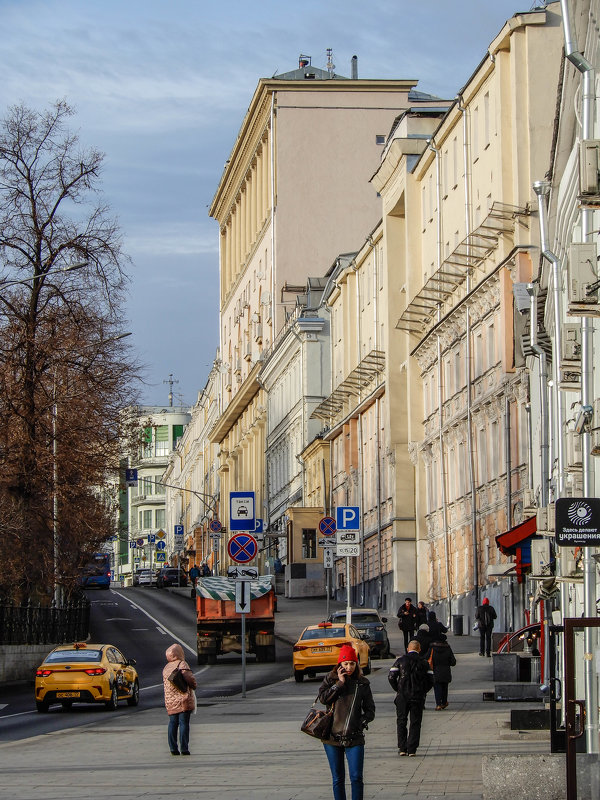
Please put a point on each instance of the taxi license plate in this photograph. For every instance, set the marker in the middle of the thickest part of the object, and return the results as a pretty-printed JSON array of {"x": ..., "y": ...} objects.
[
  {"x": 60, "y": 695},
  {"x": 321, "y": 650}
]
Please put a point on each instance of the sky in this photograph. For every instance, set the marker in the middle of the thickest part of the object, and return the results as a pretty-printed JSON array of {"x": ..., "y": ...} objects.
[{"x": 162, "y": 86}]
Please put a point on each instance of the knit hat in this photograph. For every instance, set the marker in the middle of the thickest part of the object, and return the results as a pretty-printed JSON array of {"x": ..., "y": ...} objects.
[
  {"x": 347, "y": 653},
  {"x": 486, "y": 602}
]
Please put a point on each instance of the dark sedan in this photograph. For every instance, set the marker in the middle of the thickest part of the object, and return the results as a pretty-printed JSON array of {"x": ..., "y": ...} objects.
[
  {"x": 368, "y": 621},
  {"x": 171, "y": 576}
]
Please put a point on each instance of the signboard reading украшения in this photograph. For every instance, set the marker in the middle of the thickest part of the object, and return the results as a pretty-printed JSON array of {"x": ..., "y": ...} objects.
[{"x": 577, "y": 521}]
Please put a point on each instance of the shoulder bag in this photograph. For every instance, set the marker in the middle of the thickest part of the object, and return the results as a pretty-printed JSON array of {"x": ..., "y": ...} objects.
[
  {"x": 318, "y": 722},
  {"x": 178, "y": 681}
]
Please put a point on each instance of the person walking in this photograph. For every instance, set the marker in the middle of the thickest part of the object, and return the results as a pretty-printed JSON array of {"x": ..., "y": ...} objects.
[
  {"x": 423, "y": 637},
  {"x": 179, "y": 705},
  {"x": 349, "y": 692},
  {"x": 442, "y": 659},
  {"x": 411, "y": 679},
  {"x": 485, "y": 616},
  {"x": 194, "y": 574},
  {"x": 422, "y": 612},
  {"x": 407, "y": 620},
  {"x": 436, "y": 628}
]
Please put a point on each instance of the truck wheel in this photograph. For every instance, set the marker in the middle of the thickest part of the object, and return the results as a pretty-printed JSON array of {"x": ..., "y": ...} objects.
[
  {"x": 271, "y": 654},
  {"x": 298, "y": 676},
  {"x": 212, "y": 658},
  {"x": 202, "y": 659}
]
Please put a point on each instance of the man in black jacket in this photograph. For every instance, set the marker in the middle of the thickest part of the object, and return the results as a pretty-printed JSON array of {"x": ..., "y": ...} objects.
[
  {"x": 411, "y": 679},
  {"x": 407, "y": 621},
  {"x": 485, "y": 616}
]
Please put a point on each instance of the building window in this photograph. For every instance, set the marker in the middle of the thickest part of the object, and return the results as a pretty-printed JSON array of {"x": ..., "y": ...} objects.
[
  {"x": 379, "y": 138},
  {"x": 309, "y": 543},
  {"x": 177, "y": 434},
  {"x": 160, "y": 518},
  {"x": 147, "y": 520},
  {"x": 162, "y": 440}
]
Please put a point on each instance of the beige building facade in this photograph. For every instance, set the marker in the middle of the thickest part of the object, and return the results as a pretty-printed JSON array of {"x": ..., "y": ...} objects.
[
  {"x": 458, "y": 235},
  {"x": 294, "y": 192}
]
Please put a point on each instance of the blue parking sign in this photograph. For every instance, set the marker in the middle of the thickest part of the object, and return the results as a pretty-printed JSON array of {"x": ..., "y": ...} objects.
[{"x": 347, "y": 518}]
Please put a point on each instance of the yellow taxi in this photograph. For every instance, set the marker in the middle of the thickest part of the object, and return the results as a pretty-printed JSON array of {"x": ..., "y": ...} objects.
[
  {"x": 86, "y": 673},
  {"x": 318, "y": 648}
]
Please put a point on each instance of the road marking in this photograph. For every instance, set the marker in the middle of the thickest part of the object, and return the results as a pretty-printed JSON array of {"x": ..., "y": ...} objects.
[
  {"x": 158, "y": 624},
  {"x": 161, "y": 630},
  {"x": 3, "y": 705}
]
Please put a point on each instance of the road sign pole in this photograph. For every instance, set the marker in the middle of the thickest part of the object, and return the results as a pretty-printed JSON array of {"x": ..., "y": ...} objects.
[
  {"x": 328, "y": 590},
  {"x": 243, "y": 655},
  {"x": 348, "y": 603}
]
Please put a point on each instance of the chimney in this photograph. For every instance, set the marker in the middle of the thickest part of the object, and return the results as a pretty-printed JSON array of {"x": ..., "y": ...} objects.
[{"x": 354, "y": 68}]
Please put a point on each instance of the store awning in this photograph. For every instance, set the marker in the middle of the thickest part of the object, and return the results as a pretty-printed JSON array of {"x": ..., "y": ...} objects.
[
  {"x": 517, "y": 542},
  {"x": 509, "y": 540}
]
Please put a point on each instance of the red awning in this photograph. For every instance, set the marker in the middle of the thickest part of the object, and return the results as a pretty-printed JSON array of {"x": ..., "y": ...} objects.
[{"x": 509, "y": 540}]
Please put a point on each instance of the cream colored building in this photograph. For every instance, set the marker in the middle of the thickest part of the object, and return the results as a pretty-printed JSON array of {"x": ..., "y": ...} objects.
[
  {"x": 293, "y": 195},
  {"x": 459, "y": 232},
  {"x": 191, "y": 482}
]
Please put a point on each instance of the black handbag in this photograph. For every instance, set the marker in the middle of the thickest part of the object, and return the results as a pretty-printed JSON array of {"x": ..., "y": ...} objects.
[
  {"x": 318, "y": 722},
  {"x": 178, "y": 681}
]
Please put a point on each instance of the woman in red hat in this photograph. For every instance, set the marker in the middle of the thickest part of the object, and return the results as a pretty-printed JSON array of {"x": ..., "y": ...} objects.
[{"x": 349, "y": 692}]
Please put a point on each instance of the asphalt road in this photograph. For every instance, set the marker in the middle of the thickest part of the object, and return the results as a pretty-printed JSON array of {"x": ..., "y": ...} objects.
[{"x": 142, "y": 622}]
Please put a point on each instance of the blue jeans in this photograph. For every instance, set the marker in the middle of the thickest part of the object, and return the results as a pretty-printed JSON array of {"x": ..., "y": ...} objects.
[
  {"x": 356, "y": 758},
  {"x": 182, "y": 722}
]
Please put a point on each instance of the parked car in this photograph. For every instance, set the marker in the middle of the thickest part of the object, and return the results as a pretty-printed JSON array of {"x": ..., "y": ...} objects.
[
  {"x": 369, "y": 622},
  {"x": 171, "y": 576},
  {"x": 86, "y": 673},
  {"x": 318, "y": 648},
  {"x": 146, "y": 577}
]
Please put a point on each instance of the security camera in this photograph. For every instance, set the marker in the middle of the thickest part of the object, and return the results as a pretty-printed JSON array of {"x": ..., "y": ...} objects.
[{"x": 584, "y": 419}]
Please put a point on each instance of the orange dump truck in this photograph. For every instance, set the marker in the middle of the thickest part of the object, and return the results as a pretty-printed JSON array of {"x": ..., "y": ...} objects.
[{"x": 219, "y": 628}]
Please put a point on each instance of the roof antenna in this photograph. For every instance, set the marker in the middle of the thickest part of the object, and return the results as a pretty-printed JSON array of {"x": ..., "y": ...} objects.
[
  {"x": 330, "y": 64},
  {"x": 171, "y": 382}
]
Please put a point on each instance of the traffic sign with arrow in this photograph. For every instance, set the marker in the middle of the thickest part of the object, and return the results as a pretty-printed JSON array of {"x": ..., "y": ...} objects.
[{"x": 242, "y": 597}]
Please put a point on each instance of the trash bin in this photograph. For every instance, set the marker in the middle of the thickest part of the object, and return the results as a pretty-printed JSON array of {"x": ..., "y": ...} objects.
[{"x": 457, "y": 624}]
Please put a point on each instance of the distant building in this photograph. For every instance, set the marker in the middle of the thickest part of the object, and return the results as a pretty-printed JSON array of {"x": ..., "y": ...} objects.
[{"x": 143, "y": 506}]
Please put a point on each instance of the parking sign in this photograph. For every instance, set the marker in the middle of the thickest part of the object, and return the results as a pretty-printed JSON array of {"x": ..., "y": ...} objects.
[{"x": 347, "y": 518}]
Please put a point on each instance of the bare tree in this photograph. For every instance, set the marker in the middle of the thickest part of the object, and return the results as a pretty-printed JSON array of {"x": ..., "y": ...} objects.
[{"x": 64, "y": 370}]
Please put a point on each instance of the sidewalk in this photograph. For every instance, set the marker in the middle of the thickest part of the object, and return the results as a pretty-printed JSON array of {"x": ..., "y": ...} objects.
[{"x": 246, "y": 749}]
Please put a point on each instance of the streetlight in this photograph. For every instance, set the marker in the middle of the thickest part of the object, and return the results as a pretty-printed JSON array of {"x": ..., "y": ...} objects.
[
  {"x": 24, "y": 281},
  {"x": 111, "y": 339}
]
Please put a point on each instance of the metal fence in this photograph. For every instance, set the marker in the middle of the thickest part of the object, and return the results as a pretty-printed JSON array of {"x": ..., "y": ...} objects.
[{"x": 43, "y": 624}]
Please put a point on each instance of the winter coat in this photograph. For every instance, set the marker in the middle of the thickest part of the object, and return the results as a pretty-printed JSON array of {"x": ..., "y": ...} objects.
[
  {"x": 353, "y": 707},
  {"x": 485, "y": 616},
  {"x": 423, "y": 637},
  {"x": 407, "y": 617},
  {"x": 398, "y": 676},
  {"x": 435, "y": 627},
  {"x": 443, "y": 660},
  {"x": 422, "y": 616},
  {"x": 176, "y": 701}
]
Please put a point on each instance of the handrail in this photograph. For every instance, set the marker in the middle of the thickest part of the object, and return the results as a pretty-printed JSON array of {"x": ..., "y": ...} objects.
[{"x": 504, "y": 645}]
